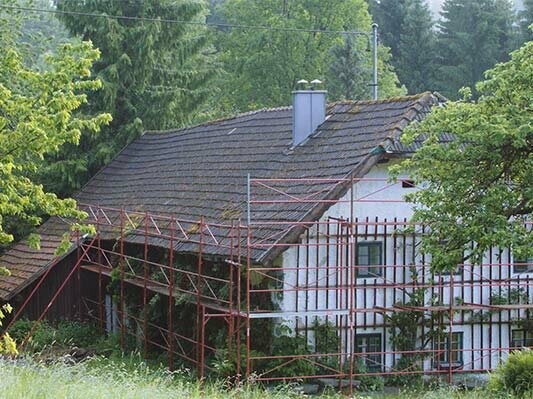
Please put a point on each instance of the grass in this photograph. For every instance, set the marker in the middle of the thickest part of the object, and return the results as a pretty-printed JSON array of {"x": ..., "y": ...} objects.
[
  {"x": 50, "y": 369},
  {"x": 130, "y": 378}
]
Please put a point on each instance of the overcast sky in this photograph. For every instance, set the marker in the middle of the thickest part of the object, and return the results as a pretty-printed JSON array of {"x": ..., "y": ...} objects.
[{"x": 436, "y": 5}]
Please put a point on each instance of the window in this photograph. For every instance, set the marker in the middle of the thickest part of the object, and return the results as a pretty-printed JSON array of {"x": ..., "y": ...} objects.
[
  {"x": 458, "y": 271},
  {"x": 523, "y": 265},
  {"x": 369, "y": 255},
  {"x": 369, "y": 351},
  {"x": 521, "y": 338},
  {"x": 408, "y": 184},
  {"x": 449, "y": 354}
]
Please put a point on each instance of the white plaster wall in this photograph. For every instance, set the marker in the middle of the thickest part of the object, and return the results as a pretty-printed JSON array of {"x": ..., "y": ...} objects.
[{"x": 313, "y": 272}]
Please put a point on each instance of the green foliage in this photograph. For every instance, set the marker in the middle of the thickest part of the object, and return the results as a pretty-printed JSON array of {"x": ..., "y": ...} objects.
[
  {"x": 407, "y": 364},
  {"x": 263, "y": 66},
  {"x": 473, "y": 36},
  {"x": 525, "y": 20},
  {"x": 407, "y": 28},
  {"x": 368, "y": 382},
  {"x": 477, "y": 187},
  {"x": 155, "y": 76},
  {"x": 64, "y": 334},
  {"x": 514, "y": 375},
  {"x": 37, "y": 117},
  {"x": 8, "y": 345},
  {"x": 287, "y": 343}
]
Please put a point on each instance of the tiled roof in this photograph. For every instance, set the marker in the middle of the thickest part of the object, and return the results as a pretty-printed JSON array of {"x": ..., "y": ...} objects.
[{"x": 202, "y": 171}]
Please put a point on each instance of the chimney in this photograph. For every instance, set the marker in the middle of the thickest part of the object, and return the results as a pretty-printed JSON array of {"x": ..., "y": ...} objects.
[{"x": 308, "y": 111}]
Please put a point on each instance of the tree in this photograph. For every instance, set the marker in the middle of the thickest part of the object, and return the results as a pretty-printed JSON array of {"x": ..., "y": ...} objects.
[
  {"x": 473, "y": 36},
  {"x": 526, "y": 19},
  {"x": 264, "y": 65},
  {"x": 476, "y": 168},
  {"x": 406, "y": 26},
  {"x": 348, "y": 77},
  {"x": 37, "y": 116},
  {"x": 415, "y": 64},
  {"x": 155, "y": 76}
]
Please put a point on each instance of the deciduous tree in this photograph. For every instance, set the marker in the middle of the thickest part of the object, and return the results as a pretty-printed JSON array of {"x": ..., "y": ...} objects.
[
  {"x": 37, "y": 117},
  {"x": 264, "y": 65},
  {"x": 478, "y": 184}
]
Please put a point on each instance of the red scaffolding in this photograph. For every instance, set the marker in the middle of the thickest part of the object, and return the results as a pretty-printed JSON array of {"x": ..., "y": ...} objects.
[{"x": 345, "y": 274}]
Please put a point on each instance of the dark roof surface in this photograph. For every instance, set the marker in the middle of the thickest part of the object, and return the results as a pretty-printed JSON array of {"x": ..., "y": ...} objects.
[{"x": 202, "y": 171}]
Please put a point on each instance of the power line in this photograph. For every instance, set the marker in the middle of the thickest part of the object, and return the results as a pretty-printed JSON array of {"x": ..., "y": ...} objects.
[{"x": 176, "y": 21}]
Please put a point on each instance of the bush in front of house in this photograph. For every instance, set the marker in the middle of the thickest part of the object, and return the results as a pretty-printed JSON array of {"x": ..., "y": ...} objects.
[
  {"x": 515, "y": 375},
  {"x": 66, "y": 333}
]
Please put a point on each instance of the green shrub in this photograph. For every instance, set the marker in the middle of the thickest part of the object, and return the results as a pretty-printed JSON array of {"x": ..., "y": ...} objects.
[
  {"x": 369, "y": 381},
  {"x": 65, "y": 334},
  {"x": 412, "y": 376},
  {"x": 515, "y": 375}
]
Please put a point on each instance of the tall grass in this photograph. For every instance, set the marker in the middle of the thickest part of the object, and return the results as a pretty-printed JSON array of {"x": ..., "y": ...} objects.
[
  {"x": 99, "y": 379},
  {"x": 127, "y": 377}
]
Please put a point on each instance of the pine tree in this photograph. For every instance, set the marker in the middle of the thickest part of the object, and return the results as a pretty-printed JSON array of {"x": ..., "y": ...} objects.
[
  {"x": 348, "y": 78},
  {"x": 473, "y": 36},
  {"x": 415, "y": 63},
  {"x": 154, "y": 76},
  {"x": 526, "y": 19},
  {"x": 406, "y": 26}
]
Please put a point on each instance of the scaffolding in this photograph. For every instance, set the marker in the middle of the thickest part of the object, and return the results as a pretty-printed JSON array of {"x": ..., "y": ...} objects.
[{"x": 351, "y": 293}]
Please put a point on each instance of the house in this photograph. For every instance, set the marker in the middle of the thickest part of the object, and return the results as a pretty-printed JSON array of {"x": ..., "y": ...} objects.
[{"x": 276, "y": 235}]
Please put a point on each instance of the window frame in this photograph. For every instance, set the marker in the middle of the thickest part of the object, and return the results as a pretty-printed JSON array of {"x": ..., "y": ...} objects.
[
  {"x": 440, "y": 360},
  {"x": 376, "y": 357},
  {"x": 525, "y": 341},
  {"x": 526, "y": 265},
  {"x": 366, "y": 270}
]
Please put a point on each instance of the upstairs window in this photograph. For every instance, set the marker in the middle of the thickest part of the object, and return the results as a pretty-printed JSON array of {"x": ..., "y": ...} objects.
[
  {"x": 523, "y": 265},
  {"x": 369, "y": 259}
]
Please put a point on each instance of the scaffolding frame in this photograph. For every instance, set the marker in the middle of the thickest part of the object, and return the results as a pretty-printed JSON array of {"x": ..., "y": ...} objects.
[{"x": 321, "y": 283}]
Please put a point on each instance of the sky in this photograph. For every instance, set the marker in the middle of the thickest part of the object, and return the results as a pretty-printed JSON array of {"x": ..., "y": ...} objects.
[{"x": 435, "y": 5}]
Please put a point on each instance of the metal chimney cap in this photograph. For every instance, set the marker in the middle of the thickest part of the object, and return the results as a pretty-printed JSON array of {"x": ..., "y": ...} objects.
[
  {"x": 316, "y": 82},
  {"x": 302, "y": 81}
]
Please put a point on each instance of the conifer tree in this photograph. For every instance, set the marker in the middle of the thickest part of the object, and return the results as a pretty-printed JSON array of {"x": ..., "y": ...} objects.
[
  {"x": 406, "y": 26},
  {"x": 154, "y": 76},
  {"x": 473, "y": 36},
  {"x": 415, "y": 63},
  {"x": 526, "y": 19},
  {"x": 348, "y": 78}
]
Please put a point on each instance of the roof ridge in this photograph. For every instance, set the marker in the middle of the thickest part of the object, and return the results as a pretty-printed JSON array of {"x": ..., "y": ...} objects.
[
  {"x": 287, "y": 107},
  {"x": 222, "y": 119}
]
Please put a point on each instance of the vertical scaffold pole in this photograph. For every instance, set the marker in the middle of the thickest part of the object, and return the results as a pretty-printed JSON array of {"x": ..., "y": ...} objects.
[
  {"x": 248, "y": 337},
  {"x": 78, "y": 274},
  {"x": 122, "y": 276},
  {"x": 199, "y": 315},
  {"x": 171, "y": 296},
  {"x": 145, "y": 293},
  {"x": 239, "y": 321},
  {"x": 99, "y": 260},
  {"x": 248, "y": 199},
  {"x": 375, "y": 61}
]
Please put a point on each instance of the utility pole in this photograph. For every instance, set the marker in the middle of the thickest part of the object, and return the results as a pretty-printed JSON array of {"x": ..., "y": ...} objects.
[{"x": 375, "y": 61}]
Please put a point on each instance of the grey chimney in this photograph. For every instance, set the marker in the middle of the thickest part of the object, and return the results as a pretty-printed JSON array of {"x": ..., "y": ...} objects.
[{"x": 308, "y": 112}]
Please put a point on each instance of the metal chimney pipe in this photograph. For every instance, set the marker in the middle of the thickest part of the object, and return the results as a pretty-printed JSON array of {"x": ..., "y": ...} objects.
[{"x": 308, "y": 112}]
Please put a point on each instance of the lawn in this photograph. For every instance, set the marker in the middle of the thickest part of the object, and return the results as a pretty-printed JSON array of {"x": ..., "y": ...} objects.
[{"x": 98, "y": 378}]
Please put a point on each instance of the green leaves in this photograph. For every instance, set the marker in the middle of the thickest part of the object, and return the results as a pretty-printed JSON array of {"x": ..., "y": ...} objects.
[
  {"x": 476, "y": 168},
  {"x": 37, "y": 117}
]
